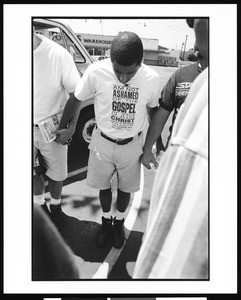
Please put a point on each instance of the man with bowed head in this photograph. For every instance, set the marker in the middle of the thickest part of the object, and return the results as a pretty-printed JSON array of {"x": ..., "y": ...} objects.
[{"x": 126, "y": 92}]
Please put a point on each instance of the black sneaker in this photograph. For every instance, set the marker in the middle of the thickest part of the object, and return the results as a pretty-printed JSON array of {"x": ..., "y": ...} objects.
[
  {"x": 103, "y": 236},
  {"x": 118, "y": 233},
  {"x": 45, "y": 209},
  {"x": 57, "y": 216}
]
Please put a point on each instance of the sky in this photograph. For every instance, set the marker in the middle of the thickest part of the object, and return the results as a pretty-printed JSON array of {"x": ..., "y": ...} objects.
[{"x": 171, "y": 33}]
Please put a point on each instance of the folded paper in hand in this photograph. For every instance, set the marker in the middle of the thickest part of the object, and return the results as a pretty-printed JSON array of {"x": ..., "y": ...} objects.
[{"x": 48, "y": 125}]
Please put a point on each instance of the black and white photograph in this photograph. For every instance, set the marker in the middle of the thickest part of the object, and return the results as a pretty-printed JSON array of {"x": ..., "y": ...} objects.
[
  {"x": 104, "y": 227},
  {"x": 121, "y": 187}
]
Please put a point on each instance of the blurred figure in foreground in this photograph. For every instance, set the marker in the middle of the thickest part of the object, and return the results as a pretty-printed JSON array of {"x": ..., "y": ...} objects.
[
  {"x": 52, "y": 257},
  {"x": 175, "y": 245}
]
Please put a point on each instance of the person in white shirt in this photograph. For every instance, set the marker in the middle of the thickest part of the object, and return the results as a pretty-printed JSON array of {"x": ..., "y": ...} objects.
[
  {"x": 54, "y": 77},
  {"x": 124, "y": 91}
]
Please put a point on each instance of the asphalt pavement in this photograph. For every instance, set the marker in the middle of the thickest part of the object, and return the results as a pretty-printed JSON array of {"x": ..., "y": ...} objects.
[{"x": 81, "y": 205}]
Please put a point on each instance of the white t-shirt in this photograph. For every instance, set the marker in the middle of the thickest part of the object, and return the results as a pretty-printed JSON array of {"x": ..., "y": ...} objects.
[
  {"x": 120, "y": 109},
  {"x": 55, "y": 76}
]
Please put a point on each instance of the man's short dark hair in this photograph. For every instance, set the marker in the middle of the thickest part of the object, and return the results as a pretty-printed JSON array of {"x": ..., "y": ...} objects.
[{"x": 126, "y": 49}]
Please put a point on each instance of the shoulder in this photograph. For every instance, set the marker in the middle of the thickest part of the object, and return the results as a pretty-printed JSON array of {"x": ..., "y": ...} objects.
[
  {"x": 183, "y": 72},
  {"x": 189, "y": 68},
  {"x": 149, "y": 73},
  {"x": 176, "y": 73},
  {"x": 57, "y": 49},
  {"x": 199, "y": 88},
  {"x": 148, "y": 70},
  {"x": 100, "y": 66}
]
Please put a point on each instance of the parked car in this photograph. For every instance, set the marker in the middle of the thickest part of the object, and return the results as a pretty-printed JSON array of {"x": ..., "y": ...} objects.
[{"x": 63, "y": 35}]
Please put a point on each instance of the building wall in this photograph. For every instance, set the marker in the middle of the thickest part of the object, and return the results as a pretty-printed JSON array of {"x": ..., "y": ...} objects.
[
  {"x": 151, "y": 57},
  {"x": 150, "y": 44},
  {"x": 95, "y": 40},
  {"x": 104, "y": 41},
  {"x": 169, "y": 58},
  {"x": 168, "y": 61},
  {"x": 100, "y": 45}
]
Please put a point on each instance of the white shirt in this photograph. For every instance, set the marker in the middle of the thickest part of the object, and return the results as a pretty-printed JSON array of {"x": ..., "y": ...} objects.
[
  {"x": 55, "y": 75},
  {"x": 120, "y": 109},
  {"x": 176, "y": 238}
]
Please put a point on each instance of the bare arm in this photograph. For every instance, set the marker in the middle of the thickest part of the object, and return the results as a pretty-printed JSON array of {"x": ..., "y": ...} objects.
[
  {"x": 69, "y": 119},
  {"x": 71, "y": 112},
  {"x": 159, "y": 145},
  {"x": 150, "y": 112},
  {"x": 154, "y": 131}
]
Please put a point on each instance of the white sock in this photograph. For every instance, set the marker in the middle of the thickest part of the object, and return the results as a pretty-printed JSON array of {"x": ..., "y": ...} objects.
[
  {"x": 39, "y": 199},
  {"x": 55, "y": 201},
  {"x": 106, "y": 215},
  {"x": 120, "y": 215},
  {"x": 48, "y": 205}
]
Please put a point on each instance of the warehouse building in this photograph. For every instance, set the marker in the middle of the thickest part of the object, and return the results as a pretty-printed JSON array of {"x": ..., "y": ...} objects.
[{"x": 99, "y": 45}]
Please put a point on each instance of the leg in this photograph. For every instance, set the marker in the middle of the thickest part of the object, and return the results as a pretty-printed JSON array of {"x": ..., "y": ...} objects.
[
  {"x": 100, "y": 171},
  {"x": 38, "y": 192},
  {"x": 38, "y": 181},
  {"x": 55, "y": 189},
  {"x": 103, "y": 235},
  {"x": 57, "y": 215},
  {"x": 55, "y": 157},
  {"x": 38, "y": 185},
  {"x": 105, "y": 200},
  {"x": 122, "y": 201},
  {"x": 128, "y": 169}
]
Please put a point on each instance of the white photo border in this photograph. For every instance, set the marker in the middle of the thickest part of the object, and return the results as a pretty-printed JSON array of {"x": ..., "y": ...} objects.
[{"x": 17, "y": 148}]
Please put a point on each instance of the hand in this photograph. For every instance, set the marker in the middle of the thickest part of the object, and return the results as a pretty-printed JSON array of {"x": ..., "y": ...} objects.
[
  {"x": 64, "y": 136},
  {"x": 147, "y": 158},
  {"x": 159, "y": 146}
]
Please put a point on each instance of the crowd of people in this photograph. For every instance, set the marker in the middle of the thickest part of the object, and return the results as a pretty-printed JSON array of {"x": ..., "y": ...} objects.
[{"x": 127, "y": 93}]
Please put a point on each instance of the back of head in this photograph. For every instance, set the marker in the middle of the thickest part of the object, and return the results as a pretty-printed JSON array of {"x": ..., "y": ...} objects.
[{"x": 126, "y": 49}]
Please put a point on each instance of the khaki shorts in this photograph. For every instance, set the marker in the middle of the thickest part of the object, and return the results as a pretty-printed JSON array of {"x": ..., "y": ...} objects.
[
  {"x": 55, "y": 156},
  {"x": 107, "y": 157}
]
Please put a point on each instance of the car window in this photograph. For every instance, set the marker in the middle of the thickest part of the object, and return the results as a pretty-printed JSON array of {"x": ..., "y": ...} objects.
[
  {"x": 59, "y": 36},
  {"x": 73, "y": 50}
]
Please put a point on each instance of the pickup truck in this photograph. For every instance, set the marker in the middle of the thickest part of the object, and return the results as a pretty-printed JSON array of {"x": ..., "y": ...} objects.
[{"x": 62, "y": 34}]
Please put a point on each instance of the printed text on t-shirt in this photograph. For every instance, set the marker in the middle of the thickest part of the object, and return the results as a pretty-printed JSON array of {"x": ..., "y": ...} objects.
[{"x": 124, "y": 100}]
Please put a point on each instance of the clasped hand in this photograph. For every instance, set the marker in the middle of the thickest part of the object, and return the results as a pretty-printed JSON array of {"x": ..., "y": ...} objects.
[
  {"x": 64, "y": 136},
  {"x": 147, "y": 158}
]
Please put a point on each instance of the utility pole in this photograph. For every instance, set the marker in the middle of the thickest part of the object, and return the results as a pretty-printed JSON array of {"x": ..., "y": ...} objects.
[
  {"x": 181, "y": 51},
  {"x": 184, "y": 47}
]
